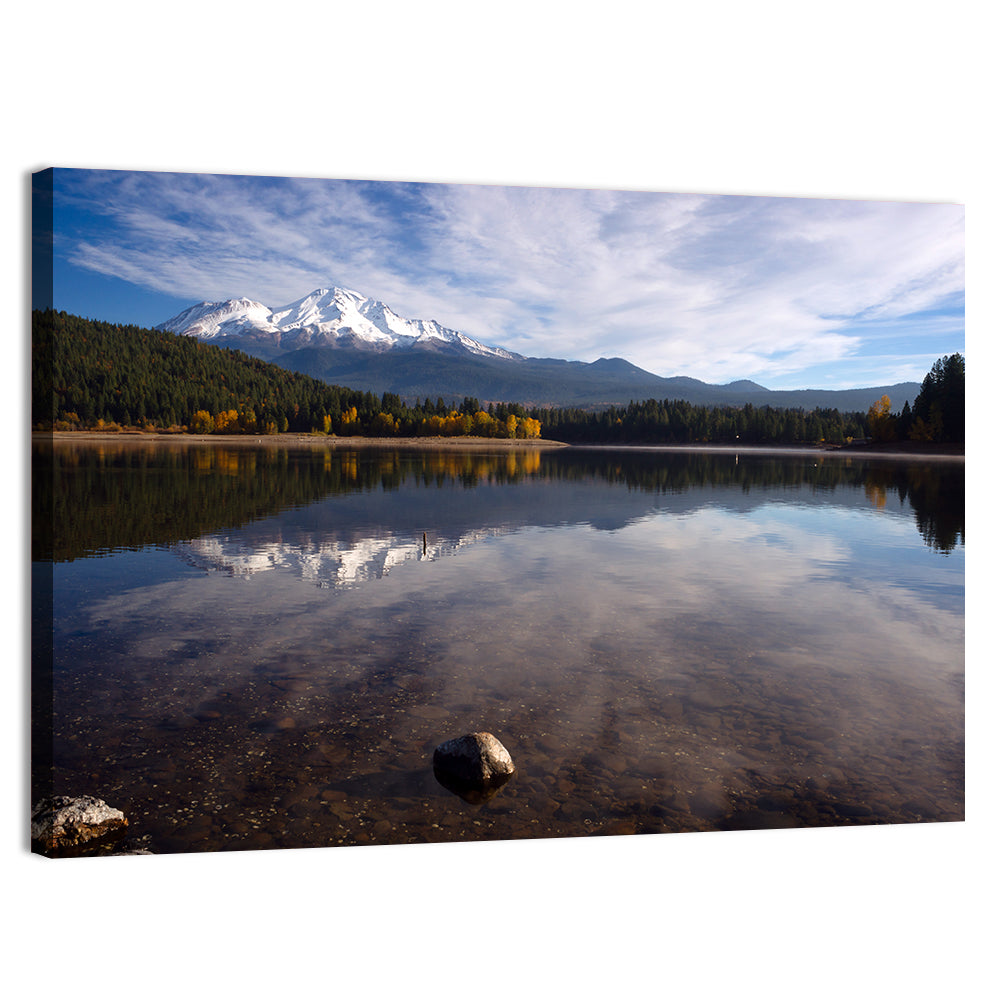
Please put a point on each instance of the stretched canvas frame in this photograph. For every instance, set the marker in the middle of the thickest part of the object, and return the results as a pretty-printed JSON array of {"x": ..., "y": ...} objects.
[{"x": 351, "y": 802}]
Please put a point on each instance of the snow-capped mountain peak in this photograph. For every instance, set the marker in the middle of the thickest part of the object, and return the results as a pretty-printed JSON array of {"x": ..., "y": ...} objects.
[
  {"x": 326, "y": 317},
  {"x": 209, "y": 320}
]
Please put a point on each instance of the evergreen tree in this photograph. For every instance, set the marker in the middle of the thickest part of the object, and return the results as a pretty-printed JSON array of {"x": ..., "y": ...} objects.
[{"x": 939, "y": 409}]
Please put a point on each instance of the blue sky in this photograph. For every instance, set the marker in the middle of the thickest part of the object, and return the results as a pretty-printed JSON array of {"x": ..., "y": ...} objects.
[{"x": 790, "y": 292}]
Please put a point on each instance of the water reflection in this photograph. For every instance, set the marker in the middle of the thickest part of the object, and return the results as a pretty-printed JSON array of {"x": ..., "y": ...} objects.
[
  {"x": 663, "y": 643},
  {"x": 324, "y": 563},
  {"x": 125, "y": 496}
]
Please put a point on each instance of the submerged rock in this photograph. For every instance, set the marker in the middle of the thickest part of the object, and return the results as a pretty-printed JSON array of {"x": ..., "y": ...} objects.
[
  {"x": 65, "y": 822},
  {"x": 474, "y": 766}
]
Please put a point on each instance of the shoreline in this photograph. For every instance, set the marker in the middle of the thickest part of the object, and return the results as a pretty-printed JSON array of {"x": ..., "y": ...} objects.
[
  {"x": 336, "y": 443},
  {"x": 846, "y": 451},
  {"x": 331, "y": 441}
]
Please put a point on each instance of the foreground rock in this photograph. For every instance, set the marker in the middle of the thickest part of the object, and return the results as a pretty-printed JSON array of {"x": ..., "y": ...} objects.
[
  {"x": 63, "y": 823},
  {"x": 474, "y": 766}
]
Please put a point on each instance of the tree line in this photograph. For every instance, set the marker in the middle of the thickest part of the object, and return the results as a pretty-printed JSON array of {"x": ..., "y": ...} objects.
[
  {"x": 937, "y": 416},
  {"x": 89, "y": 374},
  {"x": 675, "y": 421}
]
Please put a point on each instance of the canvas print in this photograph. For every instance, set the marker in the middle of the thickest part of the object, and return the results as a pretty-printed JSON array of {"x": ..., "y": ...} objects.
[{"x": 384, "y": 513}]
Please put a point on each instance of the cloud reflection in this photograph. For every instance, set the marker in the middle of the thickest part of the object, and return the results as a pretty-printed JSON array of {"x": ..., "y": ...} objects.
[{"x": 773, "y": 581}]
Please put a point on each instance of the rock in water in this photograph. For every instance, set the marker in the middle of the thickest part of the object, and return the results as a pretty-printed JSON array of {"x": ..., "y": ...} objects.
[
  {"x": 473, "y": 766},
  {"x": 64, "y": 821}
]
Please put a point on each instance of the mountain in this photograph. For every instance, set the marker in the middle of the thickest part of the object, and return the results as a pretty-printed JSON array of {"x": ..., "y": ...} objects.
[
  {"x": 326, "y": 318},
  {"x": 344, "y": 338}
]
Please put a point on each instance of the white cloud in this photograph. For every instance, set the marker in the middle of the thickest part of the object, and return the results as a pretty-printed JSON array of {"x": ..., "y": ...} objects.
[
  {"x": 718, "y": 286},
  {"x": 712, "y": 286}
]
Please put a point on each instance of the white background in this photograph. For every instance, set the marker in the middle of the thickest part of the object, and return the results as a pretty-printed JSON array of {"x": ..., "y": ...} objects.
[{"x": 884, "y": 100}]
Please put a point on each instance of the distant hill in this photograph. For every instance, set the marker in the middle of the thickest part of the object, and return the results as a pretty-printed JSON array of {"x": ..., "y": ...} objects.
[
  {"x": 345, "y": 338},
  {"x": 554, "y": 382}
]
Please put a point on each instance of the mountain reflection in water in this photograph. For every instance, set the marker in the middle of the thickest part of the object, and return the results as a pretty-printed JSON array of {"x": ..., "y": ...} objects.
[
  {"x": 324, "y": 563},
  {"x": 261, "y": 647},
  {"x": 126, "y": 495}
]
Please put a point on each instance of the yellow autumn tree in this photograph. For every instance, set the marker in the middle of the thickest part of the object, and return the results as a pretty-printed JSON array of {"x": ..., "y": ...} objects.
[
  {"x": 384, "y": 425},
  {"x": 456, "y": 424},
  {"x": 483, "y": 425},
  {"x": 227, "y": 422},
  {"x": 433, "y": 425},
  {"x": 529, "y": 428},
  {"x": 202, "y": 422},
  {"x": 880, "y": 423}
]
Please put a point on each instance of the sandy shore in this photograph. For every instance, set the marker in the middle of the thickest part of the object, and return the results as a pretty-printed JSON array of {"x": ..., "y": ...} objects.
[
  {"x": 320, "y": 441},
  {"x": 335, "y": 443}
]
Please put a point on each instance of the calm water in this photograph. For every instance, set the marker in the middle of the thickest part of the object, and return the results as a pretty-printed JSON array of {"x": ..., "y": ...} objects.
[{"x": 259, "y": 647}]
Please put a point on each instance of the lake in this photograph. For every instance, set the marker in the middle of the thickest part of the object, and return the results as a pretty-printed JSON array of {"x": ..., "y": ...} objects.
[{"x": 251, "y": 647}]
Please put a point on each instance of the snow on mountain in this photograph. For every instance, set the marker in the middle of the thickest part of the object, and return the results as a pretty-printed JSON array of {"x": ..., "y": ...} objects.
[
  {"x": 209, "y": 320},
  {"x": 324, "y": 317}
]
